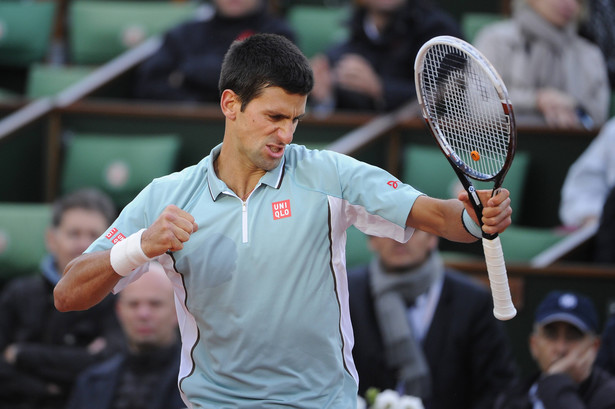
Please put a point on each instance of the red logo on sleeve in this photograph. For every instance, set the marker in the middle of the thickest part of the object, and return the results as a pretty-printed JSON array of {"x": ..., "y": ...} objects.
[
  {"x": 392, "y": 183},
  {"x": 281, "y": 209},
  {"x": 117, "y": 238},
  {"x": 111, "y": 233}
]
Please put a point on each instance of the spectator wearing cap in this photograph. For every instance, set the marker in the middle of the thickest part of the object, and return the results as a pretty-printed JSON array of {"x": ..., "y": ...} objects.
[
  {"x": 564, "y": 344},
  {"x": 606, "y": 354}
]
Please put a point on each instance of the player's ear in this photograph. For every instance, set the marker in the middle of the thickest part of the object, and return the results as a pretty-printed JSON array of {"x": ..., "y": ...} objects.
[{"x": 230, "y": 104}]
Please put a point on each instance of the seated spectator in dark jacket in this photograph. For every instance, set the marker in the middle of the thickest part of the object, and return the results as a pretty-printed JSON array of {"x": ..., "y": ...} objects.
[
  {"x": 42, "y": 349},
  {"x": 424, "y": 330},
  {"x": 606, "y": 354},
  {"x": 374, "y": 69},
  {"x": 145, "y": 376},
  {"x": 564, "y": 344},
  {"x": 187, "y": 65}
]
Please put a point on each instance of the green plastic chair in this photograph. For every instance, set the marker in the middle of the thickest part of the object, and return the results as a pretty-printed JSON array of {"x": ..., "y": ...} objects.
[
  {"x": 45, "y": 80},
  {"x": 25, "y": 31},
  {"x": 318, "y": 27},
  {"x": 357, "y": 249},
  {"x": 22, "y": 238},
  {"x": 522, "y": 243},
  {"x": 426, "y": 169},
  {"x": 473, "y": 22},
  {"x": 120, "y": 165},
  {"x": 102, "y": 30}
]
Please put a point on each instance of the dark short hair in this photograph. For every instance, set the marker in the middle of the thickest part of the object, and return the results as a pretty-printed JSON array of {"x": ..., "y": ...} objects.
[
  {"x": 87, "y": 199},
  {"x": 261, "y": 61}
]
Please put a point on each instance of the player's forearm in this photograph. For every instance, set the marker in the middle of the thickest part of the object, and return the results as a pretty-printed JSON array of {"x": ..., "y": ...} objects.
[
  {"x": 440, "y": 217},
  {"x": 87, "y": 280}
]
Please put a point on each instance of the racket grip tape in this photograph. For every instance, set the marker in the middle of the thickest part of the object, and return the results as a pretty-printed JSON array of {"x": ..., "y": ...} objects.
[{"x": 503, "y": 308}]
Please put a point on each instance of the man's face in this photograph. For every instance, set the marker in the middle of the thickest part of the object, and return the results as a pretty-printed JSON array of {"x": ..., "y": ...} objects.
[
  {"x": 261, "y": 132},
  {"x": 236, "y": 8},
  {"x": 384, "y": 6},
  {"x": 551, "y": 342},
  {"x": 401, "y": 256},
  {"x": 78, "y": 228},
  {"x": 146, "y": 311},
  {"x": 557, "y": 12}
]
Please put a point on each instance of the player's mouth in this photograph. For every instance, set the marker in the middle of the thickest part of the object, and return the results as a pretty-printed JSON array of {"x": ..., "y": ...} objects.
[{"x": 276, "y": 151}]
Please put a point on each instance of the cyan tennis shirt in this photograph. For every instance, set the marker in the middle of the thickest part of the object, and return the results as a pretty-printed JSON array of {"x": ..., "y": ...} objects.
[{"x": 261, "y": 289}]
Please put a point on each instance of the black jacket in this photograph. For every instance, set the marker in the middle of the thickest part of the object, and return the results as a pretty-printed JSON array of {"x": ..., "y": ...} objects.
[
  {"x": 560, "y": 392},
  {"x": 393, "y": 56},
  {"x": 97, "y": 386},
  {"x": 187, "y": 65},
  {"x": 466, "y": 347},
  {"x": 52, "y": 345}
]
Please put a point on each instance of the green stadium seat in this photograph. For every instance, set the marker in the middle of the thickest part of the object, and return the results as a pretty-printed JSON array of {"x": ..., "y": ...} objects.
[
  {"x": 22, "y": 238},
  {"x": 120, "y": 165},
  {"x": 357, "y": 250},
  {"x": 45, "y": 80},
  {"x": 426, "y": 169},
  {"x": 473, "y": 22},
  {"x": 102, "y": 30},
  {"x": 318, "y": 27},
  {"x": 25, "y": 31}
]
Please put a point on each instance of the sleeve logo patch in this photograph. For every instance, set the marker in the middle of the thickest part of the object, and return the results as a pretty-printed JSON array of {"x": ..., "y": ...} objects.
[
  {"x": 111, "y": 233},
  {"x": 281, "y": 209},
  {"x": 117, "y": 238},
  {"x": 392, "y": 183}
]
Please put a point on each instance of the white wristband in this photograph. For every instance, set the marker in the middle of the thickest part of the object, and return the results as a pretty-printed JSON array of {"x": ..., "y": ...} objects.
[
  {"x": 127, "y": 254},
  {"x": 470, "y": 225}
]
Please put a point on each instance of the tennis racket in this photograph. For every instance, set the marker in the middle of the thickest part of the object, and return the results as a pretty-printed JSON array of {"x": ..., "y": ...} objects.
[{"x": 467, "y": 109}]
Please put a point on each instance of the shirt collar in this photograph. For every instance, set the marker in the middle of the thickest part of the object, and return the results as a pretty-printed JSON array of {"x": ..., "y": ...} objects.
[{"x": 271, "y": 178}]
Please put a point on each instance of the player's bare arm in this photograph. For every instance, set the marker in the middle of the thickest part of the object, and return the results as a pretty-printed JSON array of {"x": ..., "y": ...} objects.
[
  {"x": 89, "y": 278},
  {"x": 443, "y": 217}
]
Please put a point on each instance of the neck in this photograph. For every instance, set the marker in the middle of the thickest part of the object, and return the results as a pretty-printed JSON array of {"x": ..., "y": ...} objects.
[
  {"x": 379, "y": 19},
  {"x": 239, "y": 178}
]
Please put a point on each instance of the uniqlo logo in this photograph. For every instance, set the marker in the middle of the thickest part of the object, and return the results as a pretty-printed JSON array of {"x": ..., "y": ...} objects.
[
  {"x": 281, "y": 209},
  {"x": 111, "y": 233},
  {"x": 118, "y": 238}
]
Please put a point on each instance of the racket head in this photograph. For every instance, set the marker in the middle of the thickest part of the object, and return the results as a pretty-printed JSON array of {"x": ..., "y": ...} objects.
[{"x": 467, "y": 108}]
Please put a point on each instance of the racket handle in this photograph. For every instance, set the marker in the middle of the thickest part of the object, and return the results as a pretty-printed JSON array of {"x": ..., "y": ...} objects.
[{"x": 503, "y": 308}]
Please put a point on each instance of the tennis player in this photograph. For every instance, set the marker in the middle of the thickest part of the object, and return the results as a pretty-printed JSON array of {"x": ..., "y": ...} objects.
[{"x": 253, "y": 239}]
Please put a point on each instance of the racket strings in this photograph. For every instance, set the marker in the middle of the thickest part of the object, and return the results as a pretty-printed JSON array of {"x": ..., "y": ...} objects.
[{"x": 467, "y": 110}]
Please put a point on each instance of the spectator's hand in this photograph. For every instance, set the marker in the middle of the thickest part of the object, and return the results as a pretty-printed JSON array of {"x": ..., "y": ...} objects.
[
  {"x": 578, "y": 362},
  {"x": 558, "y": 108},
  {"x": 496, "y": 210},
  {"x": 355, "y": 73},
  {"x": 97, "y": 346},
  {"x": 323, "y": 79},
  {"x": 172, "y": 228},
  {"x": 10, "y": 354}
]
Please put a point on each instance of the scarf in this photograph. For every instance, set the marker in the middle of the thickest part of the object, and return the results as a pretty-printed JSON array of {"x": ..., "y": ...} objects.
[
  {"x": 393, "y": 294},
  {"x": 550, "y": 55}
]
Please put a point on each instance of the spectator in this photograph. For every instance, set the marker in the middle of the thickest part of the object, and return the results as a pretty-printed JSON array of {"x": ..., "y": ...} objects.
[
  {"x": 373, "y": 69},
  {"x": 564, "y": 344},
  {"x": 604, "y": 244},
  {"x": 606, "y": 353},
  {"x": 43, "y": 350},
  {"x": 145, "y": 376},
  {"x": 589, "y": 180},
  {"x": 426, "y": 330},
  {"x": 187, "y": 65},
  {"x": 599, "y": 28},
  {"x": 254, "y": 238},
  {"x": 553, "y": 75}
]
